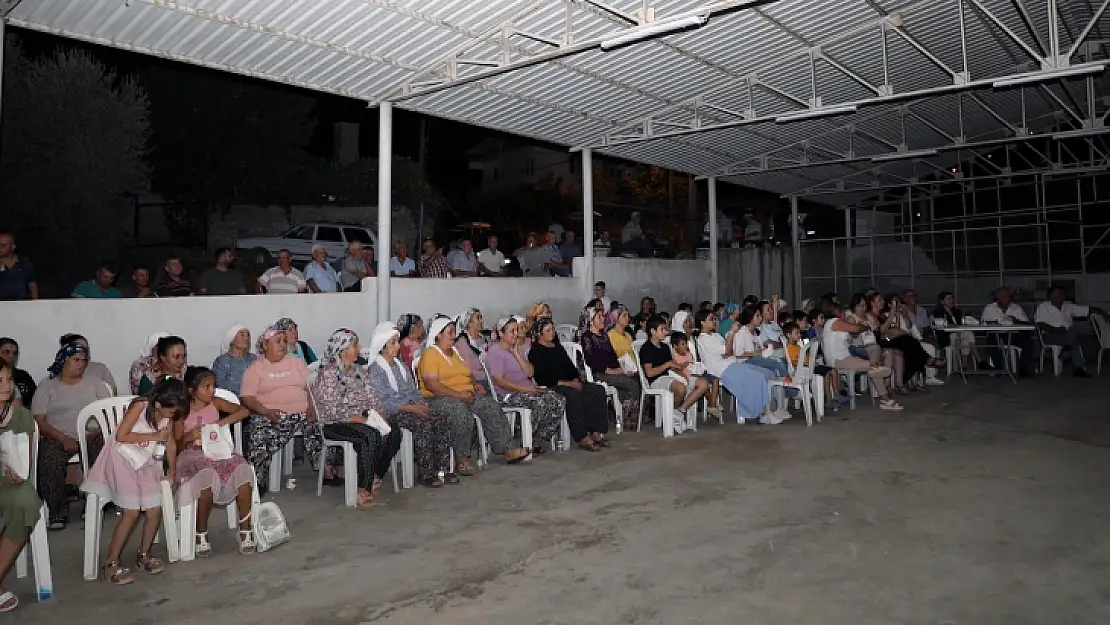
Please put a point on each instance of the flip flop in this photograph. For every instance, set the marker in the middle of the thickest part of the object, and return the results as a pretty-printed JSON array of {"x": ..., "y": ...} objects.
[{"x": 8, "y": 601}]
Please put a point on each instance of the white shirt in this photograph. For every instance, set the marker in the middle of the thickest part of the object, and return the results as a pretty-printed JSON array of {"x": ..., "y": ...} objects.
[
  {"x": 493, "y": 261},
  {"x": 631, "y": 231},
  {"x": 1061, "y": 317},
  {"x": 400, "y": 269},
  {"x": 992, "y": 313},
  {"x": 745, "y": 342},
  {"x": 607, "y": 302},
  {"x": 274, "y": 280},
  {"x": 711, "y": 350},
  {"x": 834, "y": 343}
]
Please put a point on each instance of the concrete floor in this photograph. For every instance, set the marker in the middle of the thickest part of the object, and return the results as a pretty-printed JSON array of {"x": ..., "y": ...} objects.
[{"x": 980, "y": 504}]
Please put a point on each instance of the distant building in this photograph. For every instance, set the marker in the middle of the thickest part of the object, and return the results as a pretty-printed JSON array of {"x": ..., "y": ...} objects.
[{"x": 502, "y": 164}]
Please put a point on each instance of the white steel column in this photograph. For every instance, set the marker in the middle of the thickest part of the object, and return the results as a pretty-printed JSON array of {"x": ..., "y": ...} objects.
[
  {"x": 588, "y": 219},
  {"x": 797, "y": 250},
  {"x": 714, "y": 253},
  {"x": 385, "y": 205}
]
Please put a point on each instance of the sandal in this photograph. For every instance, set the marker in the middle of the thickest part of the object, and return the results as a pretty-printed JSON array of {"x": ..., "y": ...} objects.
[
  {"x": 376, "y": 488},
  {"x": 432, "y": 482},
  {"x": 890, "y": 404},
  {"x": 116, "y": 574},
  {"x": 8, "y": 601},
  {"x": 366, "y": 501},
  {"x": 516, "y": 456},
  {"x": 148, "y": 563},
  {"x": 246, "y": 539},
  {"x": 451, "y": 478},
  {"x": 57, "y": 522},
  {"x": 588, "y": 445},
  {"x": 603, "y": 442},
  {"x": 203, "y": 549},
  {"x": 465, "y": 468}
]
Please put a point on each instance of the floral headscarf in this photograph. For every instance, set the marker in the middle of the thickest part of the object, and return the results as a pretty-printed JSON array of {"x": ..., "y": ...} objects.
[
  {"x": 613, "y": 315},
  {"x": 284, "y": 324},
  {"x": 539, "y": 326},
  {"x": 462, "y": 322},
  {"x": 67, "y": 351},
  {"x": 585, "y": 320},
  {"x": 270, "y": 333},
  {"x": 406, "y": 322},
  {"x": 340, "y": 340}
]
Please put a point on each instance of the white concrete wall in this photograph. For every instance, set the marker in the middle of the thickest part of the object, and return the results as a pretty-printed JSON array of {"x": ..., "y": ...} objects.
[{"x": 117, "y": 329}]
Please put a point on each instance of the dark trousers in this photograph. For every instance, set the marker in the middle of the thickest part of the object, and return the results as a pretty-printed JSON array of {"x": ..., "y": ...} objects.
[
  {"x": 53, "y": 462},
  {"x": 1024, "y": 342},
  {"x": 586, "y": 411},
  {"x": 374, "y": 452}
]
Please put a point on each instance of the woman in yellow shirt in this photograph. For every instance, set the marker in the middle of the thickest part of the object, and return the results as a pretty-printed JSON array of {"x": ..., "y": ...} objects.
[
  {"x": 618, "y": 321},
  {"x": 446, "y": 382}
]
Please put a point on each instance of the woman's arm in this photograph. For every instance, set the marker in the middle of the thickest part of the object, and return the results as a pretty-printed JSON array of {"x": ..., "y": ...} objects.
[
  {"x": 124, "y": 432},
  {"x": 503, "y": 382},
  {"x": 179, "y": 435},
  {"x": 49, "y": 431},
  {"x": 235, "y": 412},
  {"x": 526, "y": 366}
]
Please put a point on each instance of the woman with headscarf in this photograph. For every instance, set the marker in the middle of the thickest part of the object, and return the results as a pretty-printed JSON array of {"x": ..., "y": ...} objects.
[
  {"x": 405, "y": 408},
  {"x": 58, "y": 403},
  {"x": 682, "y": 321},
  {"x": 587, "y": 414},
  {"x": 96, "y": 369},
  {"x": 235, "y": 359},
  {"x": 293, "y": 341},
  {"x": 512, "y": 379},
  {"x": 350, "y": 410},
  {"x": 539, "y": 310},
  {"x": 726, "y": 322},
  {"x": 143, "y": 365},
  {"x": 616, "y": 326},
  {"x": 274, "y": 391},
  {"x": 170, "y": 361},
  {"x": 411, "y": 344},
  {"x": 604, "y": 363},
  {"x": 446, "y": 383},
  {"x": 470, "y": 343}
]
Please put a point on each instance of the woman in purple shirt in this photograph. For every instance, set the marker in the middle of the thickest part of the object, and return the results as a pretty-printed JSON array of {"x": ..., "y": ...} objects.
[
  {"x": 512, "y": 381},
  {"x": 602, "y": 360}
]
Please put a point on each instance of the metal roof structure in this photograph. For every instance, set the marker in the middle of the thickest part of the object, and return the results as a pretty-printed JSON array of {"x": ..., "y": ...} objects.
[{"x": 797, "y": 97}]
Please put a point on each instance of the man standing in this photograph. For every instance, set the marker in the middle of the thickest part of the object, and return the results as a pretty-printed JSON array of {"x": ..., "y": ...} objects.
[
  {"x": 17, "y": 274},
  {"x": 1056, "y": 319},
  {"x": 599, "y": 293},
  {"x": 401, "y": 266},
  {"x": 463, "y": 262},
  {"x": 284, "y": 278},
  {"x": 491, "y": 262},
  {"x": 1004, "y": 310},
  {"x": 432, "y": 263},
  {"x": 99, "y": 287},
  {"x": 174, "y": 284},
  {"x": 319, "y": 274},
  {"x": 222, "y": 279},
  {"x": 570, "y": 249}
]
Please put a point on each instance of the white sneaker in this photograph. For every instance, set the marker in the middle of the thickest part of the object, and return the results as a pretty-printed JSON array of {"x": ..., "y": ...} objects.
[
  {"x": 783, "y": 415},
  {"x": 934, "y": 382},
  {"x": 679, "y": 425},
  {"x": 769, "y": 419}
]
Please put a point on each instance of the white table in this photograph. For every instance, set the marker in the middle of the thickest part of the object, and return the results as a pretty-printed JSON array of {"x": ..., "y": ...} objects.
[{"x": 1004, "y": 340}]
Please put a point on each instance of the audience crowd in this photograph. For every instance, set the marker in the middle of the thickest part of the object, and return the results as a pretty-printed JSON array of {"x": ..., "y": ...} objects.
[{"x": 450, "y": 381}]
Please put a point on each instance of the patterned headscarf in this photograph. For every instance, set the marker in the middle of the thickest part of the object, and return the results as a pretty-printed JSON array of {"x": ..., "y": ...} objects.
[
  {"x": 499, "y": 325},
  {"x": 270, "y": 333},
  {"x": 539, "y": 326},
  {"x": 462, "y": 322},
  {"x": 340, "y": 340},
  {"x": 67, "y": 351},
  {"x": 612, "y": 316},
  {"x": 406, "y": 322},
  {"x": 284, "y": 324},
  {"x": 586, "y": 319}
]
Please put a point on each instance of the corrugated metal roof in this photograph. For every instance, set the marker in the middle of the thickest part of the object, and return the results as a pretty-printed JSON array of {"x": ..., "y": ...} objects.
[{"x": 651, "y": 101}]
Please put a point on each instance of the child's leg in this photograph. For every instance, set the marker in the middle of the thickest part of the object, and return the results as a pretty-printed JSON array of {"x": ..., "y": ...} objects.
[
  {"x": 715, "y": 394},
  {"x": 678, "y": 389},
  {"x": 700, "y": 388},
  {"x": 121, "y": 533},
  {"x": 150, "y": 528},
  {"x": 243, "y": 503},
  {"x": 204, "y": 510}
]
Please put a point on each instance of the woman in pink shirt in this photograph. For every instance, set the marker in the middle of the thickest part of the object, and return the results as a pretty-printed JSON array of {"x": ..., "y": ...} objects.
[{"x": 274, "y": 390}]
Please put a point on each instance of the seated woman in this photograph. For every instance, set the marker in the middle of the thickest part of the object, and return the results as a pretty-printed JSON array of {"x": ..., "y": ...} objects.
[
  {"x": 587, "y": 414},
  {"x": 236, "y": 358},
  {"x": 351, "y": 411},
  {"x": 411, "y": 328},
  {"x": 293, "y": 341},
  {"x": 470, "y": 344},
  {"x": 405, "y": 408},
  {"x": 894, "y": 332},
  {"x": 603, "y": 362},
  {"x": 683, "y": 321},
  {"x": 769, "y": 332},
  {"x": 834, "y": 343},
  {"x": 747, "y": 383},
  {"x": 19, "y": 503},
  {"x": 748, "y": 348},
  {"x": 446, "y": 383},
  {"x": 512, "y": 373},
  {"x": 57, "y": 406},
  {"x": 274, "y": 391},
  {"x": 946, "y": 310},
  {"x": 731, "y": 317},
  {"x": 170, "y": 362},
  {"x": 663, "y": 373},
  {"x": 616, "y": 325},
  {"x": 24, "y": 383},
  {"x": 205, "y": 481},
  {"x": 96, "y": 369},
  {"x": 872, "y": 340},
  {"x": 539, "y": 310},
  {"x": 143, "y": 365}
]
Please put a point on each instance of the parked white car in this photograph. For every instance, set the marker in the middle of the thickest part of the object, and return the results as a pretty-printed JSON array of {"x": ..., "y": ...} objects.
[{"x": 261, "y": 251}]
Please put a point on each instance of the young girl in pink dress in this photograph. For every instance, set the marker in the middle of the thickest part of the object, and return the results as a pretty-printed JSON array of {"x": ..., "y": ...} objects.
[
  {"x": 201, "y": 479},
  {"x": 115, "y": 478}
]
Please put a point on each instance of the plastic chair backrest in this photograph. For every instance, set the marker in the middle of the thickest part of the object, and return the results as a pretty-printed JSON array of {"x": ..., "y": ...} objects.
[
  {"x": 576, "y": 355},
  {"x": 1102, "y": 330},
  {"x": 489, "y": 378},
  {"x": 636, "y": 345},
  {"x": 236, "y": 432},
  {"x": 227, "y": 396},
  {"x": 566, "y": 331},
  {"x": 108, "y": 414}
]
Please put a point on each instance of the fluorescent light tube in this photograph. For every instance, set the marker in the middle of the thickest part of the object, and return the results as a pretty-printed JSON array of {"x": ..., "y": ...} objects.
[
  {"x": 897, "y": 156},
  {"x": 1082, "y": 132},
  {"x": 653, "y": 30},
  {"x": 1036, "y": 77},
  {"x": 813, "y": 113}
]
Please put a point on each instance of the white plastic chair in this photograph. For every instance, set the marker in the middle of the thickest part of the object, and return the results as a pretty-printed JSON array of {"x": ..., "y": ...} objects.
[
  {"x": 38, "y": 545},
  {"x": 801, "y": 378},
  {"x": 576, "y": 355},
  {"x": 703, "y": 403},
  {"x": 566, "y": 332},
  {"x": 1102, "y": 331},
  {"x": 664, "y": 398},
  {"x": 512, "y": 413},
  {"x": 108, "y": 414},
  {"x": 1057, "y": 352}
]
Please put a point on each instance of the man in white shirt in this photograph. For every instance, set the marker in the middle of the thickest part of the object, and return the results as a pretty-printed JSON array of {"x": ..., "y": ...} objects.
[
  {"x": 1056, "y": 319},
  {"x": 284, "y": 278},
  {"x": 401, "y": 266},
  {"x": 631, "y": 233},
  {"x": 1004, "y": 308},
  {"x": 599, "y": 293},
  {"x": 319, "y": 274},
  {"x": 463, "y": 262},
  {"x": 491, "y": 262}
]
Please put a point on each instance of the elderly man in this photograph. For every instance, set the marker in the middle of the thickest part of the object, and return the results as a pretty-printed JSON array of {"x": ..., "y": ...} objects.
[
  {"x": 319, "y": 275},
  {"x": 921, "y": 318},
  {"x": 556, "y": 264},
  {"x": 491, "y": 260},
  {"x": 463, "y": 262},
  {"x": 353, "y": 269},
  {"x": 285, "y": 278},
  {"x": 432, "y": 263},
  {"x": 401, "y": 266},
  {"x": 1004, "y": 310},
  {"x": 1056, "y": 319}
]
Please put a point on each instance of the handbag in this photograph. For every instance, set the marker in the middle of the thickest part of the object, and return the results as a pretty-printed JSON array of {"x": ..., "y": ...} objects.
[
  {"x": 215, "y": 441},
  {"x": 868, "y": 338}
]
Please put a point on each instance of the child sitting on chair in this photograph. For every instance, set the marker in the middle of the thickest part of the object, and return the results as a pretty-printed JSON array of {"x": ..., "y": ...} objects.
[
  {"x": 794, "y": 351},
  {"x": 683, "y": 356}
]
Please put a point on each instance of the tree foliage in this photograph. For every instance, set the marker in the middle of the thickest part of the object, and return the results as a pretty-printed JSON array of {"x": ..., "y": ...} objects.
[{"x": 73, "y": 148}]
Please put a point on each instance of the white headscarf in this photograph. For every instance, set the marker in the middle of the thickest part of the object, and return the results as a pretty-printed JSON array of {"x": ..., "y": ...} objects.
[
  {"x": 677, "y": 320},
  {"x": 229, "y": 336},
  {"x": 438, "y": 325},
  {"x": 152, "y": 342},
  {"x": 382, "y": 334}
]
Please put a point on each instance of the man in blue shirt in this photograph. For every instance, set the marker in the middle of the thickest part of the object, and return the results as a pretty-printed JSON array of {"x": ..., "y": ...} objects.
[
  {"x": 321, "y": 276},
  {"x": 401, "y": 266},
  {"x": 99, "y": 287},
  {"x": 17, "y": 274}
]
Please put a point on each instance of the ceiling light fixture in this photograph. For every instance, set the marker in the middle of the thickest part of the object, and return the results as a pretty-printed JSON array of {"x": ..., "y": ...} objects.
[{"x": 651, "y": 31}]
